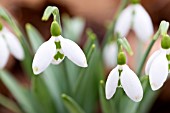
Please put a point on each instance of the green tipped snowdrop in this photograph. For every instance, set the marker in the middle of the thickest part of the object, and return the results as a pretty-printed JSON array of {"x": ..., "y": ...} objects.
[
  {"x": 9, "y": 43},
  {"x": 128, "y": 81},
  {"x": 135, "y": 17},
  {"x": 54, "y": 51},
  {"x": 157, "y": 65}
]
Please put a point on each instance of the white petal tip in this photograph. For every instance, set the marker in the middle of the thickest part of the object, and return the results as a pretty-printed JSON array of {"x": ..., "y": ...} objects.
[
  {"x": 36, "y": 70},
  {"x": 108, "y": 97},
  {"x": 85, "y": 64},
  {"x": 155, "y": 86},
  {"x": 137, "y": 98}
]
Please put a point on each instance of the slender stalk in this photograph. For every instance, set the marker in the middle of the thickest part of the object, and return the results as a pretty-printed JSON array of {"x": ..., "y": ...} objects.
[{"x": 155, "y": 37}]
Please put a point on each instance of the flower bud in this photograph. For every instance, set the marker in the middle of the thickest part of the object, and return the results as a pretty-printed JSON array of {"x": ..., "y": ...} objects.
[
  {"x": 55, "y": 29},
  {"x": 121, "y": 58},
  {"x": 165, "y": 42}
]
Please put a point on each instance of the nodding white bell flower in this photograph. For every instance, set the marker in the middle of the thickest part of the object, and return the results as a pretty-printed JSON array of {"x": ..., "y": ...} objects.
[
  {"x": 135, "y": 17},
  {"x": 157, "y": 65},
  {"x": 157, "y": 68},
  {"x": 110, "y": 51},
  {"x": 9, "y": 43},
  {"x": 54, "y": 51},
  {"x": 128, "y": 81}
]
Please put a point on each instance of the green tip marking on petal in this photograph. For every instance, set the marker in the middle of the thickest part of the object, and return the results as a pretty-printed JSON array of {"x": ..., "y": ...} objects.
[
  {"x": 58, "y": 46},
  {"x": 35, "y": 69},
  {"x": 58, "y": 56},
  {"x": 165, "y": 42},
  {"x": 121, "y": 58}
]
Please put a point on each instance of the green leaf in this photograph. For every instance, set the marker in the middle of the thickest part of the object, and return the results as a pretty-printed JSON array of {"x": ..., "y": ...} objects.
[
  {"x": 107, "y": 106},
  {"x": 71, "y": 104},
  {"x": 20, "y": 94},
  {"x": 9, "y": 104},
  {"x": 41, "y": 92},
  {"x": 34, "y": 36}
]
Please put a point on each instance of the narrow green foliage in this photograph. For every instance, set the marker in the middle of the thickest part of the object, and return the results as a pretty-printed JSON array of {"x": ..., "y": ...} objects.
[{"x": 71, "y": 104}]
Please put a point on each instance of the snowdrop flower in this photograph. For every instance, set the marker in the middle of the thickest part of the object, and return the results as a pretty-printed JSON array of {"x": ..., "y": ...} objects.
[
  {"x": 128, "y": 80},
  {"x": 110, "y": 51},
  {"x": 9, "y": 43},
  {"x": 54, "y": 51},
  {"x": 136, "y": 18},
  {"x": 157, "y": 65}
]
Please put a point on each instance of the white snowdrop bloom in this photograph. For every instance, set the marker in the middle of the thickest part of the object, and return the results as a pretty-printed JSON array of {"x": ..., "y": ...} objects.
[
  {"x": 54, "y": 51},
  {"x": 110, "y": 52},
  {"x": 9, "y": 43},
  {"x": 157, "y": 68},
  {"x": 128, "y": 80},
  {"x": 135, "y": 17}
]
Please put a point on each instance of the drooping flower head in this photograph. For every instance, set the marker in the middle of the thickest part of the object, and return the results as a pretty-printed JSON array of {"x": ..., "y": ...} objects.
[
  {"x": 9, "y": 43},
  {"x": 157, "y": 65},
  {"x": 135, "y": 17},
  {"x": 55, "y": 49},
  {"x": 128, "y": 81}
]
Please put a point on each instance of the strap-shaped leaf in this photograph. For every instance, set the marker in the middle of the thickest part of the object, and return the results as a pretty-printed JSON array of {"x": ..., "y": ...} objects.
[
  {"x": 21, "y": 95},
  {"x": 71, "y": 104}
]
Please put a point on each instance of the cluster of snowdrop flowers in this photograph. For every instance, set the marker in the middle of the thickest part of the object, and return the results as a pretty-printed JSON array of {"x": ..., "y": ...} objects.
[
  {"x": 157, "y": 66},
  {"x": 136, "y": 18},
  {"x": 55, "y": 49},
  {"x": 9, "y": 43},
  {"x": 128, "y": 80}
]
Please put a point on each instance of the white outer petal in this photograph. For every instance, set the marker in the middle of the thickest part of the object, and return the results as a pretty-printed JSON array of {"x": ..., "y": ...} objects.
[
  {"x": 14, "y": 44},
  {"x": 131, "y": 84},
  {"x": 73, "y": 52},
  {"x": 158, "y": 71},
  {"x": 110, "y": 54},
  {"x": 4, "y": 52},
  {"x": 142, "y": 23},
  {"x": 123, "y": 23},
  {"x": 150, "y": 61},
  {"x": 112, "y": 83},
  {"x": 43, "y": 56}
]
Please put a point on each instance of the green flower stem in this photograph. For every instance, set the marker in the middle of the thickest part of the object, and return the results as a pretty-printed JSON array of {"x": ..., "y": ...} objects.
[
  {"x": 110, "y": 31},
  {"x": 155, "y": 37}
]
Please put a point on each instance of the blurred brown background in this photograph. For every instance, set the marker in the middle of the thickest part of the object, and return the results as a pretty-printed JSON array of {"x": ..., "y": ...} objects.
[{"x": 97, "y": 14}]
